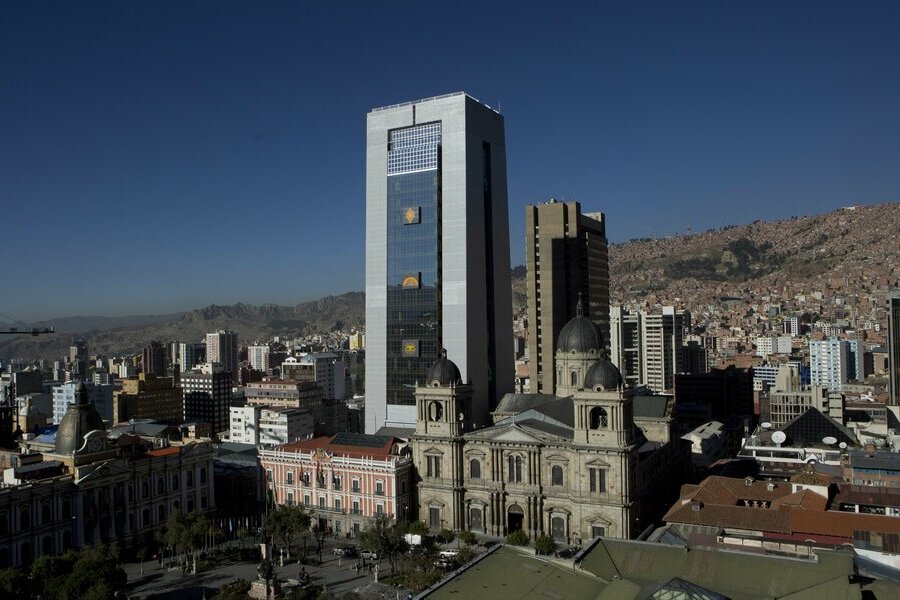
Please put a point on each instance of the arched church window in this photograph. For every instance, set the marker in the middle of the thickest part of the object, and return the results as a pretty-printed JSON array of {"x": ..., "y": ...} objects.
[
  {"x": 475, "y": 469},
  {"x": 436, "y": 411},
  {"x": 574, "y": 378},
  {"x": 556, "y": 475},
  {"x": 599, "y": 418}
]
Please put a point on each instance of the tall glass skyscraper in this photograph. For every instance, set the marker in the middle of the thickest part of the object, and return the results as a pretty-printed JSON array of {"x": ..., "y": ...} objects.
[{"x": 437, "y": 253}]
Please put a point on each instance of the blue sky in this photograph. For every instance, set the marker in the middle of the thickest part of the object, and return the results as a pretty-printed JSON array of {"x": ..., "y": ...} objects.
[{"x": 162, "y": 156}]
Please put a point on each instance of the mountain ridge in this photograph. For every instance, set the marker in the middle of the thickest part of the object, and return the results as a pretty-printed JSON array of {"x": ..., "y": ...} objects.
[{"x": 857, "y": 246}]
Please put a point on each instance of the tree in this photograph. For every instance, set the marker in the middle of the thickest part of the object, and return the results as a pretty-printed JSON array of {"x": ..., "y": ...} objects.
[
  {"x": 518, "y": 538},
  {"x": 14, "y": 584},
  {"x": 544, "y": 544},
  {"x": 320, "y": 534},
  {"x": 418, "y": 527},
  {"x": 89, "y": 574},
  {"x": 236, "y": 590},
  {"x": 385, "y": 539},
  {"x": 285, "y": 523},
  {"x": 446, "y": 536},
  {"x": 467, "y": 537}
]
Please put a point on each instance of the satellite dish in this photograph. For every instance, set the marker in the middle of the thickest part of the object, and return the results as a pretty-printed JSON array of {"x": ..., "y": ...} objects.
[
  {"x": 842, "y": 445},
  {"x": 829, "y": 440},
  {"x": 779, "y": 437},
  {"x": 765, "y": 425}
]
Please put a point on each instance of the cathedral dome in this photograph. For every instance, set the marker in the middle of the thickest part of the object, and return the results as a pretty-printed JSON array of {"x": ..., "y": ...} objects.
[
  {"x": 579, "y": 335},
  {"x": 443, "y": 372},
  {"x": 81, "y": 418},
  {"x": 602, "y": 374}
]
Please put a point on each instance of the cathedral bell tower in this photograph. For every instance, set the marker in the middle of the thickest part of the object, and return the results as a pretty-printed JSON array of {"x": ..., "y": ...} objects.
[
  {"x": 604, "y": 413},
  {"x": 443, "y": 404}
]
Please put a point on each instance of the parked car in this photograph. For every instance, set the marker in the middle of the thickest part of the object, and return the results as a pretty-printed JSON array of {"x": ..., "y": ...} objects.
[
  {"x": 443, "y": 563},
  {"x": 450, "y": 554},
  {"x": 567, "y": 552},
  {"x": 368, "y": 554}
]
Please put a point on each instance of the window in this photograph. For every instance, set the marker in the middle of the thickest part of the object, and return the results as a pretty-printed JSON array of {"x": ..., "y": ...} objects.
[
  {"x": 321, "y": 501},
  {"x": 475, "y": 468},
  {"x": 269, "y": 475},
  {"x": 379, "y": 510},
  {"x": 46, "y": 514},
  {"x": 174, "y": 481},
  {"x": 160, "y": 485},
  {"x": 434, "y": 466},
  {"x": 597, "y": 531},
  {"x": 354, "y": 485},
  {"x": 598, "y": 417},
  {"x": 202, "y": 474},
  {"x": 355, "y": 509},
  {"x": 337, "y": 504},
  {"x": 556, "y": 475},
  {"x": 597, "y": 479},
  {"x": 290, "y": 498},
  {"x": 379, "y": 488},
  {"x": 306, "y": 500},
  {"x": 514, "y": 464},
  {"x": 336, "y": 482},
  {"x": 574, "y": 379},
  {"x": 190, "y": 479},
  {"x": 290, "y": 478}
]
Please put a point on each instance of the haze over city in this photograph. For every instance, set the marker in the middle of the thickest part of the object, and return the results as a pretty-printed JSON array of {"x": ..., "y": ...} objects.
[{"x": 158, "y": 157}]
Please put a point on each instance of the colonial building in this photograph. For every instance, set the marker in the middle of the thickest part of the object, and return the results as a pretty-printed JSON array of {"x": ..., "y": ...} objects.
[
  {"x": 344, "y": 480},
  {"x": 574, "y": 465},
  {"x": 86, "y": 488}
]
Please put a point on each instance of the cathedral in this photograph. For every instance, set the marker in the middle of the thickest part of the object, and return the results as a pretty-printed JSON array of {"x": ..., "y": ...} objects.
[{"x": 574, "y": 465}]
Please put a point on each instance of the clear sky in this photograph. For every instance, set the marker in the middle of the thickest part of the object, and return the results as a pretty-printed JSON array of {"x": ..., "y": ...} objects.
[{"x": 161, "y": 156}]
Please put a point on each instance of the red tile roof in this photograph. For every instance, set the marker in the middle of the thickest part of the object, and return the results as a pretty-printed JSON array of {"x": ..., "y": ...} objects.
[{"x": 381, "y": 452}]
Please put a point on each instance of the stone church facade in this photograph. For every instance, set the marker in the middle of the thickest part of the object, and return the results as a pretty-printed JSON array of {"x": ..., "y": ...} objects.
[{"x": 573, "y": 465}]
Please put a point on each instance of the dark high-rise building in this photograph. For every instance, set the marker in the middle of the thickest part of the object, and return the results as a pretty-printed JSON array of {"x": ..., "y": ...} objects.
[
  {"x": 894, "y": 347},
  {"x": 207, "y": 396},
  {"x": 437, "y": 253},
  {"x": 566, "y": 261},
  {"x": 153, "y": 359}
]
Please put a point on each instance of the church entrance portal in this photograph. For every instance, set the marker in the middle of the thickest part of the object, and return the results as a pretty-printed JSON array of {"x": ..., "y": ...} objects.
[{"x": 515, "y": 518}]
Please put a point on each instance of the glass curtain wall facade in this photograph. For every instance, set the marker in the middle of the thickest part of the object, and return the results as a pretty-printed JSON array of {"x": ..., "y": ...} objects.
[
  {"x": 413, "y": 258},
  {"x": 437, "y": 254}
]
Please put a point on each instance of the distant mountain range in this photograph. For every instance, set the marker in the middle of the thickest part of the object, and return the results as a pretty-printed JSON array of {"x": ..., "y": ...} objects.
[
  {"x": 858, "y": 245},
  {"x": 331, "y": 313}
]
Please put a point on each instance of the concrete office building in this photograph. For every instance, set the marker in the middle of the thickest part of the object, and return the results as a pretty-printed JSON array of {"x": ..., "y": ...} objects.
[
  {"x": 153, "y": 359},
  {"x": 625, "y": 343},
  {"x": 829, "y": 363},
  {"x": 222, "y": 347},
  {"x": 661, "y": 341},
  {"x": 99, "y": 395},
  {"x": 894, "y": 348},
  {"x": 566, "y": 262},
  {"x": 191, "y": 354},
  {"x": 258, "y": 357},
  {"x": 437, "y": 253},
  {"x": 325, "y": 368},
  {"x": 207, "y": 395}
]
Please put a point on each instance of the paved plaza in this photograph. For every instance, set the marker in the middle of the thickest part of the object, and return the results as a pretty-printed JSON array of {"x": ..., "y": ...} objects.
[{"x": 339, "y": 575}]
